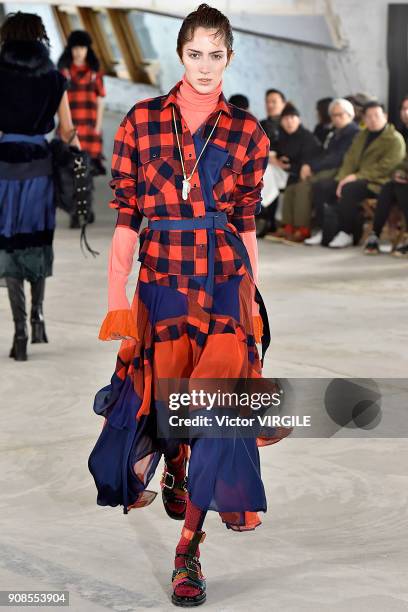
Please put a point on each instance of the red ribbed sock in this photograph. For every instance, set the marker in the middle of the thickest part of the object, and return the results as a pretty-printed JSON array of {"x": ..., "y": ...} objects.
[
  {"x": 176, "y": 465},
  {"x": 193, "y": 522}
]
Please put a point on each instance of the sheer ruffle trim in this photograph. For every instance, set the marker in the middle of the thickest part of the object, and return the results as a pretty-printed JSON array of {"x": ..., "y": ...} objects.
[
  {"x": 117, "y": 324},
  {"x": 241, "y": 521}
]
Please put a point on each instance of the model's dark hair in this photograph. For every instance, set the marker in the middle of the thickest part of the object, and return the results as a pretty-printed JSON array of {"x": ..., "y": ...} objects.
[
  {"x": 79, "y": 38},
  {"x": 239, "y": 100},
  {"x": 26, "y": 27},
  {"x": 205, "y": 16},
  {"x": 373, "y": 104},
  {"x": 275, "y": 91}
]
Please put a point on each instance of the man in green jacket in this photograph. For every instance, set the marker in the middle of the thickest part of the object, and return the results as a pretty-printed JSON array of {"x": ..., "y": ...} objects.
[{"x": 368, "y": 164}]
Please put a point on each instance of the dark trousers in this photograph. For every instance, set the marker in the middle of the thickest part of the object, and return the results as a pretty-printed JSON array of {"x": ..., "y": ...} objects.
[
  {"x": 323, "y": 192},
  {"x": 391, "y": 193},
  {"x": 348, "y": 207}
]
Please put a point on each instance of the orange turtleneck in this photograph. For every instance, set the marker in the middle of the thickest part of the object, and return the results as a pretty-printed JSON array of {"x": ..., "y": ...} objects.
[{"x": 195, "y": 106}]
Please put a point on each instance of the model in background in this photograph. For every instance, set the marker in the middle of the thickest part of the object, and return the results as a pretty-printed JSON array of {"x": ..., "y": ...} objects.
[
  {"x": 86, "y": 91},
  {"x": 31, "y": 92}
]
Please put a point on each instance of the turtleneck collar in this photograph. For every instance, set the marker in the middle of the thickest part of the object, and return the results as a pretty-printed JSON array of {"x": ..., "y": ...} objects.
[
  {"x": 195, "y": 107},
  {"x": 191, "y": 96}
]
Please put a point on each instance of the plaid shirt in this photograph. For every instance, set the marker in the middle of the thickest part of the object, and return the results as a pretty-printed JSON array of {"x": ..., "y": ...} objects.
[{"x": 147, "y": 181}]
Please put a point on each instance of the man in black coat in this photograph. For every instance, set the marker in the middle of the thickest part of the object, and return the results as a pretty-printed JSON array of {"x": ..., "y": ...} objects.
[{"x": 293, "y": 148}]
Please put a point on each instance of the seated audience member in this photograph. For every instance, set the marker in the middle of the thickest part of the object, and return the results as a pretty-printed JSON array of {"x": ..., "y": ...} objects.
[
  {"x": 324, "y": 124},
  {"x": 295, "y": 145},
  {"x": 359, "y": 102},
  {"x": 275, "y": 102},
  {"x": 239, "y": 100},
  {"x": 326, "y": 164},
  {"x": 393, "y": 192},
  {"x": 275, "y": 179},
  {"x": 403, "y": 125},
  {"x": 367, "y": 165}
]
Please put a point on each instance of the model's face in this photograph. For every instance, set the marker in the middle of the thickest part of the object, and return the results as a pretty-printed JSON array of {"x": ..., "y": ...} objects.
[
  {"x": 404, "y": 112},
  {"x": 375, "y": 119},
  {"x": 339, "y": 117},
  {"x": 79, "y": 55},
  {"x": 290, "y": 123},
  {"x": 274, "y": 105},
  {"x": 205, "y": 59}
]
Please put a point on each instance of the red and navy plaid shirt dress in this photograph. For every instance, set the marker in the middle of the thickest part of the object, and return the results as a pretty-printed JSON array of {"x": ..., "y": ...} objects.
[
  {"x": 84, "y": 89},
  {"x": 192, "y": 304}
]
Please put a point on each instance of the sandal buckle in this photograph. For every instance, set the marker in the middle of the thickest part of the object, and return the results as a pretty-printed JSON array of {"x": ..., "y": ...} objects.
[
  {"x": 164, "y": 480},
  {"x": 192, "y": 566}
]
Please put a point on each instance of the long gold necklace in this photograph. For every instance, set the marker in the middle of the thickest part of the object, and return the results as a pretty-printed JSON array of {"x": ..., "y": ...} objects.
[{"x": 186, "y": 181}]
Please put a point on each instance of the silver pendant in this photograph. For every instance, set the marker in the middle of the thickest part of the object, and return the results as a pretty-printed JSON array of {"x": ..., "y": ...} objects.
[{"x": 186, "y": 189}]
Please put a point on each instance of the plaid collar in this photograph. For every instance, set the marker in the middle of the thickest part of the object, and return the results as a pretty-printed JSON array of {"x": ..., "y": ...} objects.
[{"x": 171, "y": 98}]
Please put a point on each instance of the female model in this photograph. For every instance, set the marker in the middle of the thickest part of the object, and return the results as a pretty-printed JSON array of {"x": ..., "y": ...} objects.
[
  {"x": 86, "y": 91},
  {"x": 31, "y": 92},
  {"x": 193, "y": 165}
]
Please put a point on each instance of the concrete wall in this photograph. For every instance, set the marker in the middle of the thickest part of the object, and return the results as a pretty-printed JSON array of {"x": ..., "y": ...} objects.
[{"x": 362, "y": 65}]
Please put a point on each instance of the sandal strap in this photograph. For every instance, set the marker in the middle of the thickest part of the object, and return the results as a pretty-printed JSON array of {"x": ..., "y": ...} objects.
[
  {"x": 168, "y": 481},
  {"x": 181, "y": 576}
]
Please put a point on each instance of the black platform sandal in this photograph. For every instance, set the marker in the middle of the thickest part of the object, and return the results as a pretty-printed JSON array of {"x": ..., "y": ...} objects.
[
  {"x": 174, "y": 492},
  {"x": 190, "y": 574}
]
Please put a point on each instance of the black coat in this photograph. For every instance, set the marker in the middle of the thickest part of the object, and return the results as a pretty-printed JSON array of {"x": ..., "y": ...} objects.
[
  {"x": 299, "y": 147},
  {"x": 30, "y": 88},
  {"x": 332, "y": 157},
  {"x": 272, "y": 130}
]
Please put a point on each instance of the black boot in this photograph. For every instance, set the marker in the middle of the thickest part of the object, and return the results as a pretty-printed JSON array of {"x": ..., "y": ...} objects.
[
  {"x": 38, "y": 334},
  {"x": 16, "y": 295},
  {"x": 19, "y": 349}
]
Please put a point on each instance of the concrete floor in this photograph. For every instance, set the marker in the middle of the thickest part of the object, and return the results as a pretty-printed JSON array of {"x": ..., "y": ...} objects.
[{"x": 335, "y": 534}]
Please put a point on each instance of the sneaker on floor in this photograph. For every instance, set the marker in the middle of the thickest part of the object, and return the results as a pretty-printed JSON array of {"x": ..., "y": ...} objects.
[
  {"x": 401, "y": 251},
  {"x": 372, "y": 245},
  {"x": 314, "y": 240},
  {"x": 341, "y": 240}
]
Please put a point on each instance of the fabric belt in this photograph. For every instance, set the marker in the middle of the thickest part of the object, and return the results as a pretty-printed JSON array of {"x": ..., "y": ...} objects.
[{"x": 211, "y": 221}]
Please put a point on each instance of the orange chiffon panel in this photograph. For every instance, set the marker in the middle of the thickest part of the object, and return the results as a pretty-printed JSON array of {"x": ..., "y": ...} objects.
[
  {"x": 258, "y": 328},
  {"x": 118, "y": 323}
]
